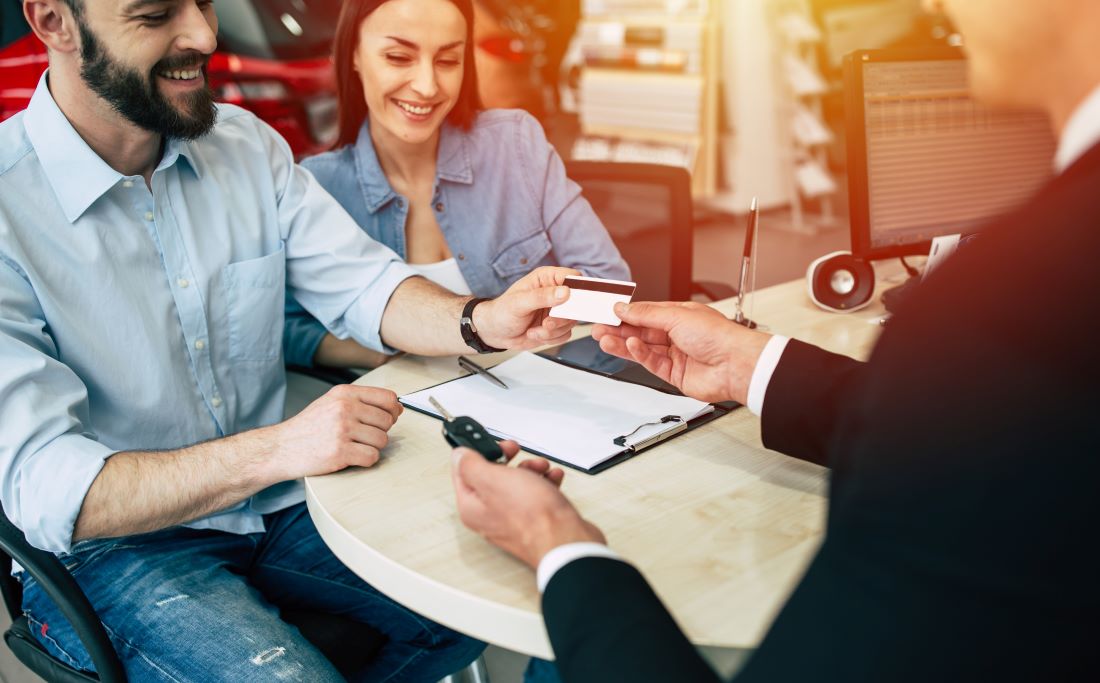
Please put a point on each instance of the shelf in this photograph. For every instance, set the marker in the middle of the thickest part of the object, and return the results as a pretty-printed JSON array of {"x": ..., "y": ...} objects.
[{"x": 636, "y": 107}]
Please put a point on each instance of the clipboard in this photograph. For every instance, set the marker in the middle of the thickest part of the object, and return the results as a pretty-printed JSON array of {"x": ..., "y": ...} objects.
[{"x": 622, "y": 447}]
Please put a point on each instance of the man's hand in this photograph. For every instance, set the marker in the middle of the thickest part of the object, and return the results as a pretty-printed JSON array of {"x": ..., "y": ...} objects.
[
  {"x": 689, "y": 345},
  {"x": 518, "y": 509},
  {"x": 519, "y": 318},
  {"x": 347, "y": 426}
]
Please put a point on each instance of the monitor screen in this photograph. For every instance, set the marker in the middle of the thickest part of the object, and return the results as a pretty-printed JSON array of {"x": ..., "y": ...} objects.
[{"x": 927, "y": 159}]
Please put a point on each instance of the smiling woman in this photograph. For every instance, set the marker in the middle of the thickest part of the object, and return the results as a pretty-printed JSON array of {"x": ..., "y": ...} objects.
[
  {"x": 363, "y": 43},
  {"x": 472, "y": 199}
]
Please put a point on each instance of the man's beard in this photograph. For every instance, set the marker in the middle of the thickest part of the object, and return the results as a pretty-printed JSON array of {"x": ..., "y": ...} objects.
[{"x": 138, "y": 99}]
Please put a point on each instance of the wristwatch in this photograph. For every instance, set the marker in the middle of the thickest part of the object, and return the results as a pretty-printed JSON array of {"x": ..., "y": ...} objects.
[{"x": 469, "y": 332}]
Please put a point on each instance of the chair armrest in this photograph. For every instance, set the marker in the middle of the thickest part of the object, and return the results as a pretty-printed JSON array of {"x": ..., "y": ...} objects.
[
  {"x": 326, "y": 374},
  {"x": 715, "y": 291},
  {"x": 60, "y": 586}
]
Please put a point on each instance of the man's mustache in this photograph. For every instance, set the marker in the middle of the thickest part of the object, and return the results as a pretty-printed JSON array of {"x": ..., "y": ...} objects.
[{"x": 187, "y": 60}]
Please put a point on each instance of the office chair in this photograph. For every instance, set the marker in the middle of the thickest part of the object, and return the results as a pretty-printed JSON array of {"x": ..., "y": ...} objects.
[
  {"x": 348, "y": 644},
  {"x": 647, "y": 209},
  {"x": 326, "y": 373}
]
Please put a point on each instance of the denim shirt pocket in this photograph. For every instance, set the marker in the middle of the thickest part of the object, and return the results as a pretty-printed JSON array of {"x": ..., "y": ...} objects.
[
  {"x": 255, "y": 297},
  {"x": 522, "y": 256}
]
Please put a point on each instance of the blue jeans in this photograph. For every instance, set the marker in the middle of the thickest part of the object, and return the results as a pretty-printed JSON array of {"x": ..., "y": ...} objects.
[
  {"x": 541, "y": 671},
  {"x": 188, "y": 605}
]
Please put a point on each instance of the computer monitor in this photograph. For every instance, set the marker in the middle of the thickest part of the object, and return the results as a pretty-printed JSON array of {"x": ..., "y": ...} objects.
[{"x": 924, "y": 159}]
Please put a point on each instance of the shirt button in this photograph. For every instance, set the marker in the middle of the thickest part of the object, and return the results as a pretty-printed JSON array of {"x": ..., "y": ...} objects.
[
  {"x": 148, "y": 215},
  {"x": 127, "y": 183},
  {"x": 462, "y": 257},
  {"x": 216, "y": 401},
  {"x": 200, "y": 345},
  {"x": 184, "y": 283},
  {"x": 523, "y": 261},
  {"x": 439, "y": 207}
]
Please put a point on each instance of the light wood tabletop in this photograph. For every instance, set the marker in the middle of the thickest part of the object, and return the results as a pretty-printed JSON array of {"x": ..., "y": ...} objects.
[{"x": 722, "y": 528}]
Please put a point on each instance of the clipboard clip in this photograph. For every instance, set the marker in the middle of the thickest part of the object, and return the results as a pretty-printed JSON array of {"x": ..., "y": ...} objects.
[{"x": 680, "y": 426}]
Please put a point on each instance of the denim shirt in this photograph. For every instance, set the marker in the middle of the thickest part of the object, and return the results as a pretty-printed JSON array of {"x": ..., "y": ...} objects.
[{"x": 502, "y": 201}]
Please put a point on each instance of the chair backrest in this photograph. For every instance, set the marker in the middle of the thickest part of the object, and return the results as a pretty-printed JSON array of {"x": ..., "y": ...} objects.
[{"x": 647, "y": 209}]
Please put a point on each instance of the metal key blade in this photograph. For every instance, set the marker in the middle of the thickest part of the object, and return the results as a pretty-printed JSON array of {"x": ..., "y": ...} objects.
[{"x": 442, "y": 411}]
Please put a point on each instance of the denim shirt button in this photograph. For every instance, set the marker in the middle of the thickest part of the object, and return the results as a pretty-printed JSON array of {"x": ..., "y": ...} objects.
[
  {"x": 439, "y": 207},
  {"x": 462, "y": 257},
  {"x": 523, "y": 261}
]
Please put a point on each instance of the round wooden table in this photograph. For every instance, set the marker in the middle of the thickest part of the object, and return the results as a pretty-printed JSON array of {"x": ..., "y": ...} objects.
[{"x": 721, "y": 527}]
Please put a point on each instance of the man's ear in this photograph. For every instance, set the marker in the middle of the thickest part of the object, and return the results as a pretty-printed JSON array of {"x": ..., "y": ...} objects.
[{"x": 54, "y": 24}]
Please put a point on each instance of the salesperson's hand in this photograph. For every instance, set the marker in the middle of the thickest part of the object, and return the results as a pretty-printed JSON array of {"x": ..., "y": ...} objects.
[
  {"x": 518, "y": 509},
  {"x": 520, "y": 318},
  {"x": 691, "y": 346}
]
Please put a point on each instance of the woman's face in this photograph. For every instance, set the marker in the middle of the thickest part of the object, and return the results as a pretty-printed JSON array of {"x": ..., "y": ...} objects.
[{"x": 410, "y": 60}]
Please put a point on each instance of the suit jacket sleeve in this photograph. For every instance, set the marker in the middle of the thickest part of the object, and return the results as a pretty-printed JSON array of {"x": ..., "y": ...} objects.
[
  {"x": 606, "y": 624},
  {"x": 801, "y": 406}
]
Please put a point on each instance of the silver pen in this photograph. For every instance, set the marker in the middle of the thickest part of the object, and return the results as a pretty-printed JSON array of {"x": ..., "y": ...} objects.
[
  {"x": 470, "y": 366},
  {"x": 746, "y": 262}
]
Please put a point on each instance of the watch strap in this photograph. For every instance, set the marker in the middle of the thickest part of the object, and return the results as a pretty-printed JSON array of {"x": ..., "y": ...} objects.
[{"x": 469, "y": 332}]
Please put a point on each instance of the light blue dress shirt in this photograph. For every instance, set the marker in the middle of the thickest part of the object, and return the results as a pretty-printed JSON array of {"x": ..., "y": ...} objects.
[
  {"x": 138, "y": 319},
  {"x": 501, "y": 199}
]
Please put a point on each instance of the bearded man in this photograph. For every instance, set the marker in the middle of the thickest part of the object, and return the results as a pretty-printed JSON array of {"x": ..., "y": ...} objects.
[{"x": 147, "y": 239}]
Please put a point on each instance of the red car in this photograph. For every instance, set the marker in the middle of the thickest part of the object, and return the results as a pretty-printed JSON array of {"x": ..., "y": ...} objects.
[{"x": 272, "y": 58}]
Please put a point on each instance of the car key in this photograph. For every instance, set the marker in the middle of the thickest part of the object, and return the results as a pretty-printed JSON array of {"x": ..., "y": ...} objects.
[{"x": 466, "y": 432}]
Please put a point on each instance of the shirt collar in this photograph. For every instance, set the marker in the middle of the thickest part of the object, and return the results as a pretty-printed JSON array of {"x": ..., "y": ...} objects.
[
  {"x": 1082, "y": 132},
  {"x": 176, "y": 149},
  {"x": 452, "y": 163},
  {"x": 77, "y": 175}
]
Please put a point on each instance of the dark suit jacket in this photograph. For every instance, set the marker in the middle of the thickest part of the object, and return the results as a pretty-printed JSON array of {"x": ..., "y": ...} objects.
[{"x": 963, "y": 540}]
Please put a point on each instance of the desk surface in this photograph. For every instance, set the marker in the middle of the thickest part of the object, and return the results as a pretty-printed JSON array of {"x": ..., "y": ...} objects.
[{"x": 722, "y": 528}]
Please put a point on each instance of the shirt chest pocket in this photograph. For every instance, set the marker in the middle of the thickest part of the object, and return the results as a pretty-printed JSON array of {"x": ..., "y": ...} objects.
[
  {"x": 253, "y": 291},
  {"x": 520, "y": 258}
]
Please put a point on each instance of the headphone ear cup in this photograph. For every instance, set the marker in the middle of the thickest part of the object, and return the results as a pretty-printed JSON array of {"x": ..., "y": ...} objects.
[{"x": 840, "y": 282}]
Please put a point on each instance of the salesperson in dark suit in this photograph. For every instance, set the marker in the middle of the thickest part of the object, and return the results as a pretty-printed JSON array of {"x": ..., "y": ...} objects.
[{"x": 964, "y": 515}]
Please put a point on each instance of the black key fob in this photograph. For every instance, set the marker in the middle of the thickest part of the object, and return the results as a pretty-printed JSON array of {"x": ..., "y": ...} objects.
[{"x": 466, "y": 432}]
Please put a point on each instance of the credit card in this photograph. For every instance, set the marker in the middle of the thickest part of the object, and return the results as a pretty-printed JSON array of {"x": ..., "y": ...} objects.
[{"x": 593, "y": 300}]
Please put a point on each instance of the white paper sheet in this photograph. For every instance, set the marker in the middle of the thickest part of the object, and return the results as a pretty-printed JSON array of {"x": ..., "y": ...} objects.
[{"x": 568, "y": 414}]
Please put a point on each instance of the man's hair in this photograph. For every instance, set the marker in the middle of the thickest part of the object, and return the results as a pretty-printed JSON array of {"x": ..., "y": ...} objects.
[{"x": 77, "y": 7}]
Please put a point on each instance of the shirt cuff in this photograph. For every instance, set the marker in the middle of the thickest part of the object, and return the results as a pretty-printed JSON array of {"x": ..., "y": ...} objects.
[
  {"x": 564, "y": 554},
  {"x": 363, "y": 321},
  {"x": 46, "y": 506},
  {"x": 762, "y": 374}
]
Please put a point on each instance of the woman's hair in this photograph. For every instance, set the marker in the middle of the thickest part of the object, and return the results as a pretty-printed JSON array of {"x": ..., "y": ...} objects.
[{"x": 349, "y": 87}]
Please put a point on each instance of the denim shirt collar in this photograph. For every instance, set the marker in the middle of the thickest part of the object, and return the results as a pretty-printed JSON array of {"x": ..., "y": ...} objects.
[
  {"x": 453, "y": 164},
  {"x": 77, "y": 175}
]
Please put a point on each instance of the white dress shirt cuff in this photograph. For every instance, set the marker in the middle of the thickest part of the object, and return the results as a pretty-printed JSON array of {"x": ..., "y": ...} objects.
[
  {"x": 762, "y": 374},
  {"x": 564, "y": 554}
]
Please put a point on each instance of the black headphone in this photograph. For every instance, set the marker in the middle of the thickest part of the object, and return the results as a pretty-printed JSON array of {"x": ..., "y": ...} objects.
[{"x": 840, "y": 282}]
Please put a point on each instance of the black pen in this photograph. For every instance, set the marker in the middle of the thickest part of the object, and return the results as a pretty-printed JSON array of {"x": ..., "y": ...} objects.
[{"x": 470, "y": 366}]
